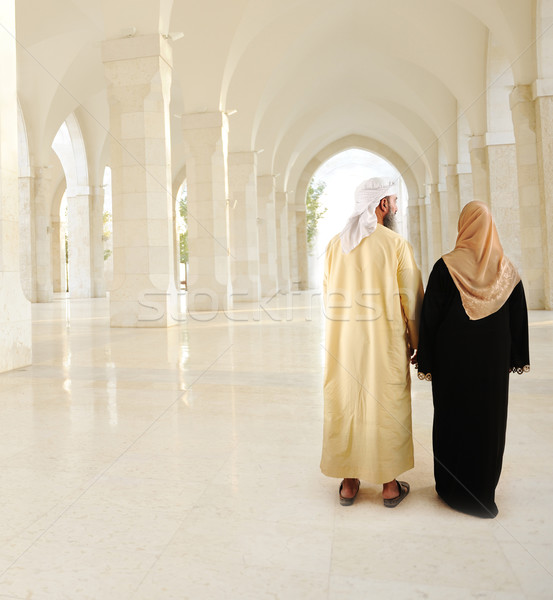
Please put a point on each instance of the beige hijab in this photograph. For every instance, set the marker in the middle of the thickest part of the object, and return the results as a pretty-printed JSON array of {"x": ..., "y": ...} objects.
[{"x": 484, "y": 276}]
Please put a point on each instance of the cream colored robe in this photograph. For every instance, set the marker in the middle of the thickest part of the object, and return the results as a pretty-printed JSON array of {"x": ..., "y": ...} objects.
[{"x": 373, "y": 297}]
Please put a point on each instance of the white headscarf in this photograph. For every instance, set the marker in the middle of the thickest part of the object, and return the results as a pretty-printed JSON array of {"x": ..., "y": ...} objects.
[{"x": 363, "y": 219}]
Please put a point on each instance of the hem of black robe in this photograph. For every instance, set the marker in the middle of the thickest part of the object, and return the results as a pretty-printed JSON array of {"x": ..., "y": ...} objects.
[
  {"x": 520, "y": 370},
  {"x": 474, "y": 509}
]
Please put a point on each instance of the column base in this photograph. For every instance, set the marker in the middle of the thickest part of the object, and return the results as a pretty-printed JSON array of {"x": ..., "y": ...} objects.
[{"x": 15, "y": 341}]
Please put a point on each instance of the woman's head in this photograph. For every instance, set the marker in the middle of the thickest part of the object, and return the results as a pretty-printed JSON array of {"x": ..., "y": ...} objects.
[
  {"x": 476, "y": 228},
  {"x": 483, "y": 275}
]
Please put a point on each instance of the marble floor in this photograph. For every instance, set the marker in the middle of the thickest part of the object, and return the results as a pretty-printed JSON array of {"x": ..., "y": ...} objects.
[{"x": 184, "y": 463}]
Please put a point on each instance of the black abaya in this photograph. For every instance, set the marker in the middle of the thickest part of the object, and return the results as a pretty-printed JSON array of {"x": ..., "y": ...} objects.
[{"x": 469, "y": 363}]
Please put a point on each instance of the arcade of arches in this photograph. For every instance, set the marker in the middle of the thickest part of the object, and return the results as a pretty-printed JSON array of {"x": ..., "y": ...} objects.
[{"x": 245, "y": 100}]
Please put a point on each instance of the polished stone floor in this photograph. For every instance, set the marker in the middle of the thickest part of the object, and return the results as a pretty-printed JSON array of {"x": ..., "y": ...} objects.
[{"x": 184, "y": 463}]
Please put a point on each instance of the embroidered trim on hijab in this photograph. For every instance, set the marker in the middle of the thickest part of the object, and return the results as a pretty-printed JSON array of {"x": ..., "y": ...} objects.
[
  {"x": 362, "y": 221},
  {"x": 482, "y": 273}
]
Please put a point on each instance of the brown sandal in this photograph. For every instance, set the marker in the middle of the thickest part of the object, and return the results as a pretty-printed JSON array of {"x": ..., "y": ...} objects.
[
  {"x": 403, "y": 487},
  {"x": 348, "y": 501}
]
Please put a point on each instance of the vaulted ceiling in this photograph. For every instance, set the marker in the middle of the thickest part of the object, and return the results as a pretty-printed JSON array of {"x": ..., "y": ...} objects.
[{"x": 301, "y": 74}]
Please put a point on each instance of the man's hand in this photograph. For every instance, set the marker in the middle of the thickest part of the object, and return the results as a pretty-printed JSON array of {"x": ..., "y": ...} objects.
[{"x": 414, "y": 356}]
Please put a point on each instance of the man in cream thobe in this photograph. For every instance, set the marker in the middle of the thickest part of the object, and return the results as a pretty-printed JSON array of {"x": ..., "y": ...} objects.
[{"x": 373, "y": 295}]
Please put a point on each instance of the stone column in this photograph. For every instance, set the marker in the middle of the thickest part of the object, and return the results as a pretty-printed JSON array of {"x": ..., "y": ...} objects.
[
  {"x": 26, "y": 238},
  {"x": 426, "y": 239},
  {"x": 301, "y": 247},
  {"x": 529, "y": 195},
  {"x": 503, "y": 192},
  {"x": 459, "y": 193},
  {"x": 542, "y": 90},
  {"x": 58, "y": 256},
  {"x": 435, "y": 222},
  {"x": 41, "y": 231},
  {"x": 443, "y": 195},
  {"x": 138, "y": 71},
  {"x": 414, "y": 231},
  {"x": 86, "y": 247},
  {"x": 80, "y": 245},
  {"x": 97, "y": 233},
  {"x": 479, "y": 167},
  {"x": 453, "y": 205},
  {"x": 206, "y": 154},
  {"x": 268, "y": 258},
  {"x": 293, "y": 245},
  {"x": 466, "y": 191},
  {"x": 15, "y": 317},
  {"x": 281, "y": 210},
  {"x": 176, "y": 240},
  {"x": 244, "y": 243}
]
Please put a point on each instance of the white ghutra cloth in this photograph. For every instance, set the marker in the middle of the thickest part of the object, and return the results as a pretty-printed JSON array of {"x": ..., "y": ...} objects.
[{"x": 363, "y": 219}]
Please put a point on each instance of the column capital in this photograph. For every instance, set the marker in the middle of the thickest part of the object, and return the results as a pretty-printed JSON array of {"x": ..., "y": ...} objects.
[
  {"x": 491, "y": 138},
  {"x": 140, "y": 46},
  {"x": 542, "y": 87},
  {"x": 84, "y": 190},
  {"x": 243, "y": 158},
  {"x": 204, "y": 120},
  {"x": 520, "y": 94},
  {"x": 477, "y": 142},
  {"x": 459, "y": 169},
  {"x": 499, "y": 138}
]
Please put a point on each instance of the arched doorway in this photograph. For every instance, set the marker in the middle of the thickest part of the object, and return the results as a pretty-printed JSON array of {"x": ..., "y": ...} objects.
[{"x": 334, "y": 185}]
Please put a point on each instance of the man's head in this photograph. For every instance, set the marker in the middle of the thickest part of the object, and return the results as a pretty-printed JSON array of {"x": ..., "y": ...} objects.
[
  {"x": 386, "y": 212},
  {"x": 367, "y": 212}
]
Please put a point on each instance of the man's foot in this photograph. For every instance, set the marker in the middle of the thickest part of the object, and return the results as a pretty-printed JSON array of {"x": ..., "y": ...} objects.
[
  {"x": 402, "y": 489},
  {"x": 348, "y": 491}
]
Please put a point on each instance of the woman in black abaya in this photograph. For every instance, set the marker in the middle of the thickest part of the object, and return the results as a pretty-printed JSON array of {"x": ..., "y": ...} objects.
[{"x": 474, "y": 332}]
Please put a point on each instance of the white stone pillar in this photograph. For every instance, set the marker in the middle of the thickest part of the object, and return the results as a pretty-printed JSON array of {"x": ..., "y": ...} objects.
[
  {"x": 443, "y": 195},
  {"x": 466, "y": 191},
  {"x": 41, "y": 231},
  {"x": 281, "y": 210},
  {"x": 523, "y": 111},
  {"x": 301, "y": 246},
  {"x": 459, "y": 193},
  {"x": 435, "y": 222},
  {"x": 80, "y": 246},
  {"x": 26, "y": 237},
  {"x": 244, "y": 243},
  {"x": 426, "y": 238},
  {"x": 543, "y": 94},
  {"x": 268, "y": 257},
  {"x": 414, "y": 230},
  {"x": 453, "y": 206},
  {"x": 138, "y": 71},
  {"x": 206, "y": 154},
  {"x": 86, "y": 248},
  {"x": 293, "y": 245},
  {"x": 176, "y": 241},
  {"x": 503, "y": 192},
  {"x": 15, "y": 317},
  {"x": 58, "y": 256},
  {"x": 479, "y": 168},
  {"x": 97, "y": 233}
]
